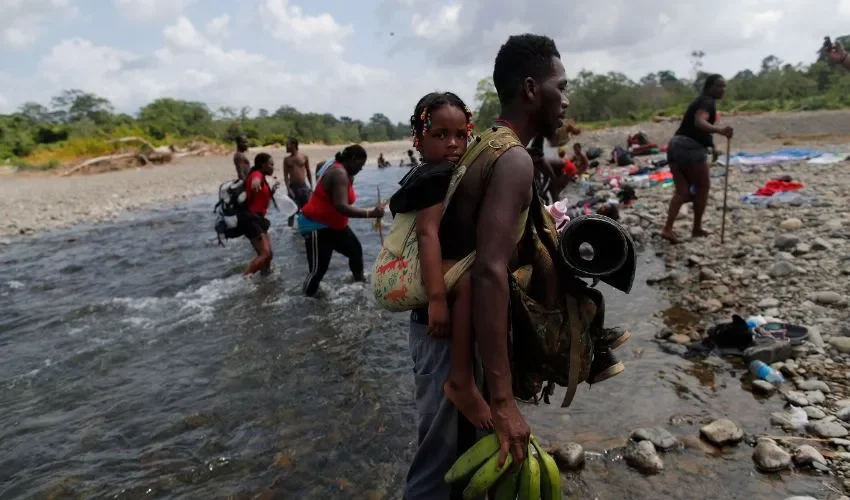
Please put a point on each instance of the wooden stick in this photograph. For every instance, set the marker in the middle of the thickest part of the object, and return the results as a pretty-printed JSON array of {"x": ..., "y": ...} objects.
[
  {"x": 725, "y": 194},
  {"x": 378, "y": 221}
]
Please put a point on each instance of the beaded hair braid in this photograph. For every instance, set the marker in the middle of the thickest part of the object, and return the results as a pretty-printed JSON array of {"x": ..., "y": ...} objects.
[{"x": 420, "y": 120}]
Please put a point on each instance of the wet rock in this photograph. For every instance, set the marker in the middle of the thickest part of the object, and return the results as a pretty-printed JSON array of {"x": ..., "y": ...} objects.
[
  {"x": 569, "y": 456},
  {"x": 821, "y": 244},
  {"x": 680, "y": 339},
  {"x": 786, "y": 241},
  {"x": 769, "y": 353},
  {"x": 841, "y": 343},
  {"x": 791, "y": 224},
  {"x": 826, "y": 298},
  {"x": 763, "y": 387},
  {"x": 795, "y": 418},
  {"x": 694, "y": 261},
  {"x": 815, "y": 397},
  {"x": 769, "y": 457},
  {"x": 796, "y": 398},
  {"x": 712, "y": 305},
  {"x": 814, "y": 413},
  {"x": 708, "y": 275},
  {"x": 807, "y": 455},
  {"x": 768, "y": 303},
  {"x": 642, "y": 456},
  {"x": 723, "y": 432},
  {"x": 813, "y": 384},
  {"x": 674, "y": 349},
  {"x": 827, "y": 429},
  {"x": 660, "y": 437},
  {"x": 844, "y": 414},
  {"x": 815, "y": 337},
  {"x": 781, "y": 269},
  {"x": 664, "y": 333},
  {"x": 802, "y": 249},
  {"x": 637, "y": 233}
]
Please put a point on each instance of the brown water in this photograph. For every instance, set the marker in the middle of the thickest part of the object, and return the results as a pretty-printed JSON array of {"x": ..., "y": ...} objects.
[{"x": 136, "y": 363}]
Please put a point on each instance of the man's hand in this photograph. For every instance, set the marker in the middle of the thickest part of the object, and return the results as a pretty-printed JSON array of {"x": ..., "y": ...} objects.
[
  {"x": 727, "y": 131},
  {"x": 513, "y": 433},
  {"x": 256, "y": 184},
  {"x": 439, "y": 324},
  {"x": 837, "y": 54}
]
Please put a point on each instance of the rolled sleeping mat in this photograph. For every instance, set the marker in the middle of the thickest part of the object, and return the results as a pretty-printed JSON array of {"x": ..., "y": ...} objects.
[{"x": 597, "y": 247}]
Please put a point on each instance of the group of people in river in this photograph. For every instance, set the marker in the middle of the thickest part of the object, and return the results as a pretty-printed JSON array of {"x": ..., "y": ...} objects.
[{"x": 485, "y": 201}]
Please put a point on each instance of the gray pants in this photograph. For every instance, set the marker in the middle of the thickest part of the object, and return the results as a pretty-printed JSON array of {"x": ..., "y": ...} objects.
[{"x": 443, "y": 433}]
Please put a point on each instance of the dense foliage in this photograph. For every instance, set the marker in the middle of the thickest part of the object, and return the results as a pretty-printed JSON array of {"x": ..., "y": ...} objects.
[
  {"x": 76, "y": 123},
  {"x": 774, "y": 86}
]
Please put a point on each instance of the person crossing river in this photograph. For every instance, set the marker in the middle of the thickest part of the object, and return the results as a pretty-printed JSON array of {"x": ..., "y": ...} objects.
[{"x": 324, "y": 219}]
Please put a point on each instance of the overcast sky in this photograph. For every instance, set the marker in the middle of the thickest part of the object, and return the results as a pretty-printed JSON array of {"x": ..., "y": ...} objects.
[{"x": 357, "y": 57}]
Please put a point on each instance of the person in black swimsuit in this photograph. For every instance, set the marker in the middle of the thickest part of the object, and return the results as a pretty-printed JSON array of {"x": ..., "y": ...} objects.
[{"x": 687, "y": 153}]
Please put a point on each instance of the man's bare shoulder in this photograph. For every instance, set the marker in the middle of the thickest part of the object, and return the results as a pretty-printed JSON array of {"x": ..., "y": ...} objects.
[{"x": 514, "y": 163}]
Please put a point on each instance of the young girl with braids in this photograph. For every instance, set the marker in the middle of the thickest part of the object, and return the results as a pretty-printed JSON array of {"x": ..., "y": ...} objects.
[{"x": 441, "y": 126}]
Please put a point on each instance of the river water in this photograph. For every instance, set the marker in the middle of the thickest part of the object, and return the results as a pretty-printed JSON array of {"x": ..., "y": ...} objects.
[{"x": 135, "y": 362}]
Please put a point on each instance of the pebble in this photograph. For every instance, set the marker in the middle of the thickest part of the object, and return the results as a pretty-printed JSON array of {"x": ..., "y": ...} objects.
[
  {"x": 802, "y": 248},
  {"x": 821, "y": 244},
  {"x": 723, "y": 432},
  {"x": 763, "y": 387},
  {"x": 708, "y": 275},
  {"x": 769, "y": 457},
  {"x": 660, "y": 437},
  {"x": 813, "y": 385},
  {"x": 786, "y": 241},
  {"x": 642, "y": 456},
  {"x": 680, "y": 339},
  {"x": 844, "y": 414},
  {"x": 569, "y": 456},
  {"x": 826, "y": 298},
  {"x": 828, "y": 429},
  {"x": 791, "y": 224},
  {"x": 808, "y": 455},
  {"x": 815, "y": 397},
  {"x": 841, "y": 343},
  {"x": 787, "y": 419},
  {"x": 796, "y": 398},
  {"x": 781, "y": 269},
  {"x": 768, "y": 303},
  {"x": 814, "y": 413}
]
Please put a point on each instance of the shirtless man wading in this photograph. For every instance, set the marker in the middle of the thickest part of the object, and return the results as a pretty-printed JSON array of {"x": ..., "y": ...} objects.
[
  {"x": 240, "y": 159},
  {"x": 530, "y": 80},
  {"x": 297, "y": 177}
]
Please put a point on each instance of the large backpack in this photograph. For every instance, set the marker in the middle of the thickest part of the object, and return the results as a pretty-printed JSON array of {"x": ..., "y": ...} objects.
[{"x": 231, "y": 201}]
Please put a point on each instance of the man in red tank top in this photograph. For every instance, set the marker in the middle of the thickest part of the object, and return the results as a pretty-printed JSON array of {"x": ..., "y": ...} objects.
[{"x": 252, "y": 220}]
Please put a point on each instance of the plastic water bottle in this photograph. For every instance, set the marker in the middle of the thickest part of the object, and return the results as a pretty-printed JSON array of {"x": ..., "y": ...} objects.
[{"x": 765, "y": 372}]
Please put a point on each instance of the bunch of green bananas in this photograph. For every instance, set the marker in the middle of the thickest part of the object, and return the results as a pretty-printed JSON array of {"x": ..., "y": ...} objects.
[{"x": 537, "y": 479}]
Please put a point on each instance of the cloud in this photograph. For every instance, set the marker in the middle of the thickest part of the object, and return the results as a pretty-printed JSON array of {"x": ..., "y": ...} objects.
[
  {"x": 22, "y": 21},
  {"x": 320, "y": 34},
  {"x": 149, "y": 10},
  {"x": 219, "y": 27}
]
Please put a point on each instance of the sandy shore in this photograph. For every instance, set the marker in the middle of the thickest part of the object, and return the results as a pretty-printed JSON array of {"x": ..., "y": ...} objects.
[{"x": 38, "y": 201}]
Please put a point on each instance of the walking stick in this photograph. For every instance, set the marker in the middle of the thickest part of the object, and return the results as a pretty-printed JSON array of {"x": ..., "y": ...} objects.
[
  {"x": 725, "y": 194},
  {"x": 378, "y": 223}
]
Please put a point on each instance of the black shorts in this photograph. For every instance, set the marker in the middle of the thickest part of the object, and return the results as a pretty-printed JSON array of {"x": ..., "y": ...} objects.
[
  {"x": 684, "y": 152},
  {"x": 301, "y": 195},
  {"x": 252, "y": 225}
]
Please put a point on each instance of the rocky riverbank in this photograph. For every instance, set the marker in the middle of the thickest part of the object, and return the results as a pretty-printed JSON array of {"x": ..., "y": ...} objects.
[{"x": 788, "y": 262}]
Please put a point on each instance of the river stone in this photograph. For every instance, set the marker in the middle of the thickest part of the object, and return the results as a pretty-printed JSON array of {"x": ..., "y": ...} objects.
[
  {"x": 763, "y": 387},
  {"x": 770, "y": 352},
  {"x": 807, "y": 455},
  {"x": 658, "y": 436},
  {"x": 723, "y": 432},
  {"x": 569, "y": 456},
  {"x": 821, "y": 244},
  {"x": 768, "y": 303},
  {"x": 796, "y": 398},
  {"x": 791, "y": 224},
  {"x": 844, "y": 414},
  {"x": 828, "y": 429},
  {"x": 786, "y": 241},
  {"x": 642, "y": 456},
  {"x": 786, "y": 420},
  {"x": 815, "y": 397},
  {"x": 814, "y": 413},
  {"x": 841, "y": 343},
  {"x": 813, "y": 384},
  {"x": 802, "y": 248},
  {"x": 781, "y": 269},
  {"x": 706, "y": 274},
  {"x": 826, "y": 298},
  {"x": 680, "y": 339},
  {"x": 769, "y": 457},
  {"x": 801, "y": 498}
]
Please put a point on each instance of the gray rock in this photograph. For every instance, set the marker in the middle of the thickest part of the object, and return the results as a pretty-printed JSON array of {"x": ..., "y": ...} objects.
[
  {"x": 660, "y": 437},
  {"x": 828, "y": 429},
  {"x": 637, "y": 233},
  {"x": 815, "y": 337},
  {"x": 664, "y": 333},
  {"x": 826, "y": 298},
  {"x": 813, "y": 384},
  {"x": 723, "y": 432},
  {"x": 821, "y": 244},
  {"x": 801, "y": 498},
  {"x": 841, "y": 343},
  {"x": 569, "y": 456},
  {"x": 769, "y": 353},
  {"x": 796, "y": 398},
  {"x": 802, "y": 249},
  {"x": 768, "y": 303},
  {"x": 642, "y": 456},
  {"x": 712, "y": 305},
  {"x": 781, "y": 269},
  {"x": 693, "y": 260},
  {"x": 706, "y": 274},
  {"x": 814, "y": 413},
  {"x": 791, "y": 224},
  {"x": 844, "y": 414},
  {"x": 786, "y": 241},
  {"x": 808, "y": 455},
  {"x": 815, "y": 397},
  {"x": 842, "y": 403},
  {"x": 769, "y": 457},
  {"x": 786, "y": 420},
  {"x": 674, "y": 349},
  {"x": 763, "y": 387}
]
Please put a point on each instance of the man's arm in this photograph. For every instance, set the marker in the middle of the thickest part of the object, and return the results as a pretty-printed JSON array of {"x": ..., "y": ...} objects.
[
  {"x": 508, "y": 193},
  {"x": 307, "y": 166}
]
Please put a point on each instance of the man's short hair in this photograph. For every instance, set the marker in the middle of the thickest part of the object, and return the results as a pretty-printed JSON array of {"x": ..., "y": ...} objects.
[
  {"x": 293, "y": 141},
  {"x": 262, "y": 159},
  {"x": 522, "y": 56}
]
